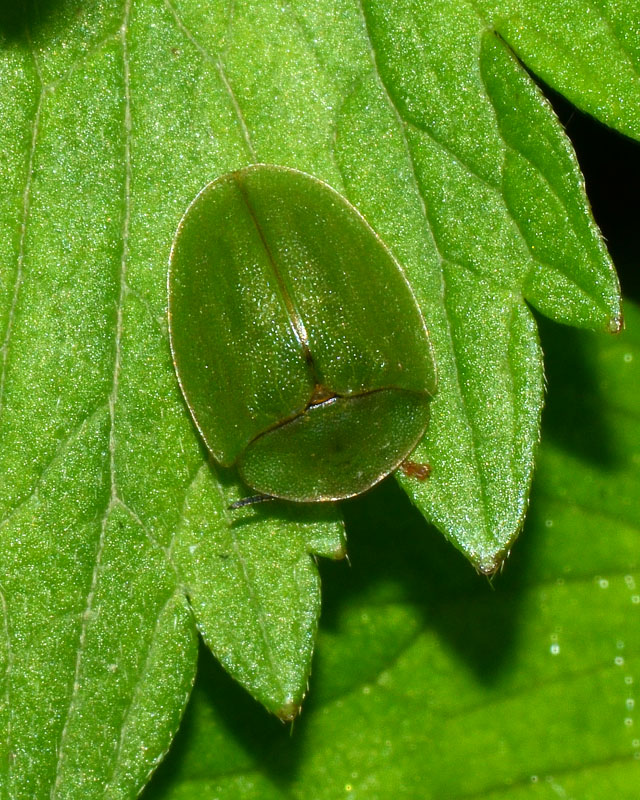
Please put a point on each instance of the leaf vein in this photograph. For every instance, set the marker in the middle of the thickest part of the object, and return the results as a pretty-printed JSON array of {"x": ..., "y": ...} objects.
[
  {"x": 84, "y": 625},
  {"x": 126, "y": 221},
  {"x": 7, "y": 680},
  {"x": 616, "y": 38},
  {"x": 150, "y": 537},
  {"x": 566, "y": 272},
  {"x": 452, "y": 349},
  {"x": 219, "y": 67},
  {"x": 82, "y": 58},
  {"x": 182, "y": 514},
  {"x": 60, "y": 452},
  {"x": 86, "y": 615},
  {"x": 525, "y": 780},
  {"x": 134, "y": 694},
  {"x": 530, "y": 689},
  {"x": 254, "y": 602},
  {"x": 19, "y": 276}
]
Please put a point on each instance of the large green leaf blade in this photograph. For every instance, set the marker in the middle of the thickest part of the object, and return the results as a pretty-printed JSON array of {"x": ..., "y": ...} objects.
[{"x": 98, "y": 451}]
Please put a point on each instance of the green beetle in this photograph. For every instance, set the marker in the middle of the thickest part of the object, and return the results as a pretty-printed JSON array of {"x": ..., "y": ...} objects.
[{"x": 297, "y": 341}]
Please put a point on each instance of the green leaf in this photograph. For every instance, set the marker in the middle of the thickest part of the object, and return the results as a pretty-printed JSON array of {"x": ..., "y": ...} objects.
[
  {"x": 114, "y": 116},
  {"x": 428, "y": 682},
  {"x": 483, "y": 204},
  {"x": 254, "y": 590}
]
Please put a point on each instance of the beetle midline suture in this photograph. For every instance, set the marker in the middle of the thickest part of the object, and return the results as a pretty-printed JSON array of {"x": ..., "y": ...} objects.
[{"x": 299, "y": 330}]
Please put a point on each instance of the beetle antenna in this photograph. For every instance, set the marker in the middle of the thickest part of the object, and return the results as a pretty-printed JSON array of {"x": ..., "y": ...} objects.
[{"x": 251, "y": 501}]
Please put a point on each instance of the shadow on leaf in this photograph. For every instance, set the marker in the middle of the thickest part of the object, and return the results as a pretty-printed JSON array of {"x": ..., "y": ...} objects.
[
  {"x": 398, "y": 558},
  {"x": 222, "y": 724},
  {"x": 22, "y": 16}
]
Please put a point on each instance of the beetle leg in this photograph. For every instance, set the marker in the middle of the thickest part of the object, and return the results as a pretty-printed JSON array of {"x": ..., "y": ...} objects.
[{"x": 251, "y": 501}]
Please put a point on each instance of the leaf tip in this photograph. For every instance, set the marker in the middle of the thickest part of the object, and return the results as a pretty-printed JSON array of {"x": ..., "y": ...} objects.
[
  {"x": 339, "y": 553},
  {"x": 289, "y": 710},
  {"x": 616, "y": 323},
  {"x": 494, "y": 564}
]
